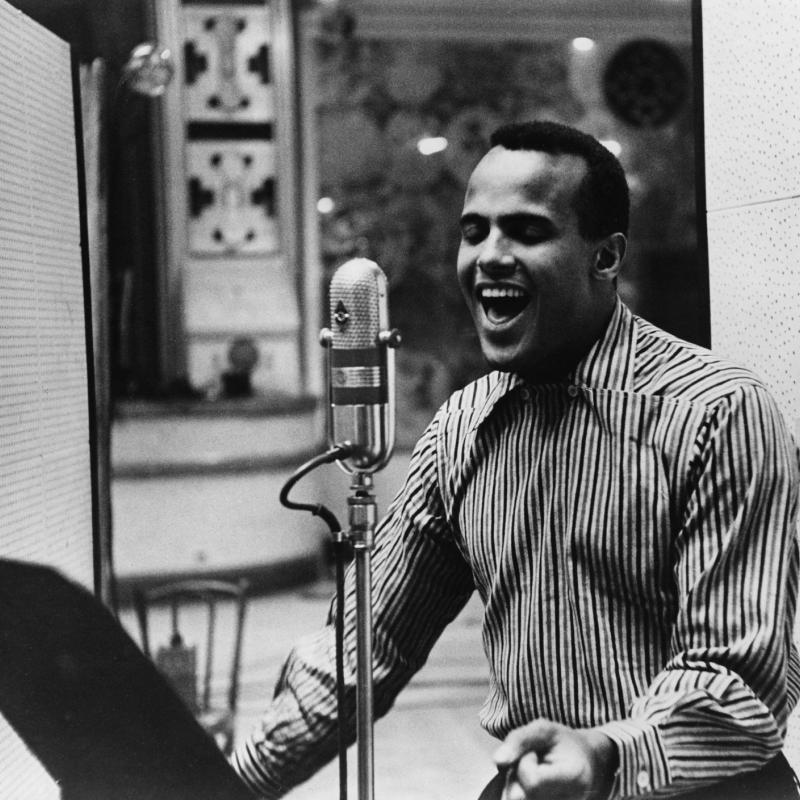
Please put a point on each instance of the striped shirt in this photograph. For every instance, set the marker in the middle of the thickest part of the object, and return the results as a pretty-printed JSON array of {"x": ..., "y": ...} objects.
[{"x": 631, "y": 532}]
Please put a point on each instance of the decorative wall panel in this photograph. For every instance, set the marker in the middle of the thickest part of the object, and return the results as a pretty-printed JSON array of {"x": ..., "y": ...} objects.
[
  {"x": 229, "y": 137},
  {"x": 227, "y": 63},
  {"x": 232, "y": 197}
]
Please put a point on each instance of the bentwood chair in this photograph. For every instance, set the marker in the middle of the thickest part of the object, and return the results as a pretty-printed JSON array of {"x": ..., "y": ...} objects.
[{"x": 200, "y": 601}]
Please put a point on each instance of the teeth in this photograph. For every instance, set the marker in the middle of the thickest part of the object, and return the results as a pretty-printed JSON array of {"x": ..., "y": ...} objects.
[{"x": 500, "y": 291}]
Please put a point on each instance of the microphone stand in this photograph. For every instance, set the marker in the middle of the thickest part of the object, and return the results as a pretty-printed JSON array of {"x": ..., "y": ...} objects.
[
  {"x": 361, "y": 425},
  {"x": 362, "y": 515}
]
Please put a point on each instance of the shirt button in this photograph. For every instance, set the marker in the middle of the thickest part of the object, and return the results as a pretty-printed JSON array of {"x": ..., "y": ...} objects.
[
  {"x": 643, "y": 780},
  {"x": 572, "y": 390},
  {"x": 526, "y": 394}
]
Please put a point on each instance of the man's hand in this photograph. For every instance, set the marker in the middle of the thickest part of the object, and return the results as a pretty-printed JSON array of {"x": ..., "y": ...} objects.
[{"x": 548, "y": 760}]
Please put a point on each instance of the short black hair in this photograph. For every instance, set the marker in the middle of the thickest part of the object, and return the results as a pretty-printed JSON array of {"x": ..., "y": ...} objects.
[{"x": 602, "y": 202}]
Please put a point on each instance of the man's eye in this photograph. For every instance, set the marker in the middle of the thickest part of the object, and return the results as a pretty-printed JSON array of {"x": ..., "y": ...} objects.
[
  {"x": 472, "y": 233},
  {"x": 529, "y": 234}
]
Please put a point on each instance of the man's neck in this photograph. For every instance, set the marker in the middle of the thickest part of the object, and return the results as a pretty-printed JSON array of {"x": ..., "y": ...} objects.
[{"x": 559, "y": 366}]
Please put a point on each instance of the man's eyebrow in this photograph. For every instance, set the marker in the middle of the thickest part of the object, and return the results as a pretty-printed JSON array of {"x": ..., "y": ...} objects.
[
  {"x": 509, "y": 220},
  {"x": 469, "y": 217},
  {"x": 524, "y": 217}
]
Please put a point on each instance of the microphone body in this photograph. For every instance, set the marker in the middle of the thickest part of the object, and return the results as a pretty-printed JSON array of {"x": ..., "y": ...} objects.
[{"x": 360, "y": 366}]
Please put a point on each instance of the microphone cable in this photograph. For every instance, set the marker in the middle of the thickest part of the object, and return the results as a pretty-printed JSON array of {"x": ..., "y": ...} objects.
[
  {"x": 340, "y": 551},
  {"x": 335, "y": 453}
]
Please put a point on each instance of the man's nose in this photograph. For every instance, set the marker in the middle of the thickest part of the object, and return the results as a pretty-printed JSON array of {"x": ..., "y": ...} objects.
[{"x": 494, "y": 258}]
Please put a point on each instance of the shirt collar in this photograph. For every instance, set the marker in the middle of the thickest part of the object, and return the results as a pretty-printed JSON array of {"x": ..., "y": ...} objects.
[
  {"x": 610, "y": 361},
  {"x": 608, "y": 364}
]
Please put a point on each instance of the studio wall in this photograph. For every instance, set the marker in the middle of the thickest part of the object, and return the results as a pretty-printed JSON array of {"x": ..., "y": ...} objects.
[{"x": 751, "y": 64}]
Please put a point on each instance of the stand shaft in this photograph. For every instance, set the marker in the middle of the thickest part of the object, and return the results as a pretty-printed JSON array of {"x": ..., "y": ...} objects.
[
  {"x": 364, "y": 700},
  {"x": 363, "y": 514}
]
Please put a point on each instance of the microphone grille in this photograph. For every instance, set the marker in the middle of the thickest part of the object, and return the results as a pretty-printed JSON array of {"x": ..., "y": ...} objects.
[{"x": 357, "y": 304}]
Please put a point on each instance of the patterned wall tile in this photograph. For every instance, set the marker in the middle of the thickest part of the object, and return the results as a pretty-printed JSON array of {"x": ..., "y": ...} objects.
[
  {"x": 227, "y": 63},
  {"x": 232, "y": 197}
]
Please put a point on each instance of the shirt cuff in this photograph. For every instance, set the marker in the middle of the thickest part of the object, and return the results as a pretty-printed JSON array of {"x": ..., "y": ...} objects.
[
  {"x": 643, "y": 765},
  {"x": 247, "y": 763}
]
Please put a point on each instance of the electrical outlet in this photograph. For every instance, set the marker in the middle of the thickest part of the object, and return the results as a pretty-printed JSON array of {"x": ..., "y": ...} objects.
[
  {"x": 227, "y": 63},
  {"x": 231, "y": 188}
]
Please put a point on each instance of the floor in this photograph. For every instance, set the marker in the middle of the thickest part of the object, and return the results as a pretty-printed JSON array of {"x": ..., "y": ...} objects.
[{"x": 429, "y": 747}]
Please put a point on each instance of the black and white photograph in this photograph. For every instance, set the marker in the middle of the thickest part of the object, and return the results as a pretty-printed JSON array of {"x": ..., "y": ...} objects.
[{"x": 400, "y": 400}]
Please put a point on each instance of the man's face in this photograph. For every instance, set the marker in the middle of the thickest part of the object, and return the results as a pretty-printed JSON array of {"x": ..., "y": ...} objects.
[{"x": 528, "y": 276}]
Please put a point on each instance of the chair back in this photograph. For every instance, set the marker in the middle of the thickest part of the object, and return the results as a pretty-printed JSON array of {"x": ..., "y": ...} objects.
[{"x": 179, "y": 659}]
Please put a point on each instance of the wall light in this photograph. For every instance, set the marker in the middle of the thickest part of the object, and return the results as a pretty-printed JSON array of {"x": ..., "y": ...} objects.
[
  {"x": 583, "y": 44},
  {"x": 325, "y": 205},
  {"x": 428, "y": 145},
  {"x": 612, "y": 145},
  {"x": 148, "y": 70}
]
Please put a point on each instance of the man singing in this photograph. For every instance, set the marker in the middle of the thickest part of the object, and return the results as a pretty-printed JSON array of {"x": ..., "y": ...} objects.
[{"x": 624, "y": 503}]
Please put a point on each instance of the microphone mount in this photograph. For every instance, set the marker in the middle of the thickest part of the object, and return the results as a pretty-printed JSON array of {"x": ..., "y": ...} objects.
[{"x": 367, "y": 422}]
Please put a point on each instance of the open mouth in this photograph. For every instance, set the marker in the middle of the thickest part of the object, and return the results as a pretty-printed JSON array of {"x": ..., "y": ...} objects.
[{"x": 502, "y": 303}]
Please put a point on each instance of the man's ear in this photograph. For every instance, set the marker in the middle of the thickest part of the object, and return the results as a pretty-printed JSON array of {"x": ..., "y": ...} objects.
[{"x": 609, "y": 255}]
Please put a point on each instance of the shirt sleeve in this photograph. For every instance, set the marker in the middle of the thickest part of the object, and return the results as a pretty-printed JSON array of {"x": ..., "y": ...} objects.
[
  {"x": 721, "y": 703},
  {"x": 420, "y": 583}
]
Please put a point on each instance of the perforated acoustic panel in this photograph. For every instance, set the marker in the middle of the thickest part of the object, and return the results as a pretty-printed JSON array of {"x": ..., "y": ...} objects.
[
  {"x": 45, "y": 475},
  {"x": 752, "y": 143},
  {"x": 45, "y": 488},
  {"x": 22, "y": 776},
  {"x": 755, "y": 294},
  {"x": 751, "y": 58}
]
